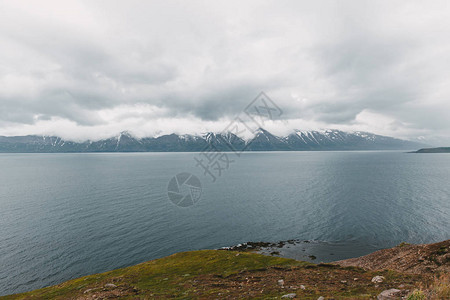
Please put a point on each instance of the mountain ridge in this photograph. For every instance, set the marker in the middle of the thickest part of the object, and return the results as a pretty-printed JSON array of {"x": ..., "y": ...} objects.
[{"x": 298, "y": 140}]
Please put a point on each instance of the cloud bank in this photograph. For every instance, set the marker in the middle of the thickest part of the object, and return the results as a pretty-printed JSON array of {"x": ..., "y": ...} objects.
[{"x": 90, "y": 69}]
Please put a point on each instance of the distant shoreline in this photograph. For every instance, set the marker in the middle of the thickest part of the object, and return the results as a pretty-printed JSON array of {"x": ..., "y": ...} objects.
[
  {"x": 433, "y": 150},
  {"x": 222, "y": 151}
]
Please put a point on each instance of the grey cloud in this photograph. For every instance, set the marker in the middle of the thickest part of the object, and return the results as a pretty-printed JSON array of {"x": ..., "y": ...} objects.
[{"x": 209, "y": 60}]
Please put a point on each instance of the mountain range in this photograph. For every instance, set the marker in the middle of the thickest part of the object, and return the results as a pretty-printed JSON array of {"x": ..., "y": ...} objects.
[{"x": 262, "y": 141}]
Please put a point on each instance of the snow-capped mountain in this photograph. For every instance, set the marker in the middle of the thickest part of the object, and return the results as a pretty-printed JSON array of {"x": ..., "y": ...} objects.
[
  {"x": 262, "y": 141},
  {"x": 340, "y": 140}
]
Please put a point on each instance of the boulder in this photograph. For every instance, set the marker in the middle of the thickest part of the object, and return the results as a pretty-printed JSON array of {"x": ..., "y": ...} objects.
[
  {"x": 378, "y": 279},
  {"x": 389, "y": 294}
]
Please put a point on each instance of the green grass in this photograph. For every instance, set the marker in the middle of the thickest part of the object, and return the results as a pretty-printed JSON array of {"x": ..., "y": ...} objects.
[
  {"x": 417, "y": 295},
  {"x": 164, "y": 276}
]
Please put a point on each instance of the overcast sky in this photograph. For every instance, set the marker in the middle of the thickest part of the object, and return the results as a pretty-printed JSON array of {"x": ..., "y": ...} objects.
[{"x": 90, "y": 69}]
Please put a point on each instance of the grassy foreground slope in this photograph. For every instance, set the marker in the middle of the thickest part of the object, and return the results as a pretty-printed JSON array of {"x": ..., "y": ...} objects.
[{"x": 220, "y": 274}]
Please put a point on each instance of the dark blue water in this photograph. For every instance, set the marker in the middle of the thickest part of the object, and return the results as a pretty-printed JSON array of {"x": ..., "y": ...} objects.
[{"x": 63, "y": 216}]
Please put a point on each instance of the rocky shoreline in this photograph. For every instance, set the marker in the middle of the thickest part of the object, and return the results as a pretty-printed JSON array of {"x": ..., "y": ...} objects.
[
  {"x": 305, "y": 250},
  {"x": 272, "y": 248},
  {"x": 405, "y": 257}
]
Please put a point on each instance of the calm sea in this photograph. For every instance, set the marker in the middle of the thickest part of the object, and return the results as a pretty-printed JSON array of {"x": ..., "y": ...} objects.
[{"x": 63, "y": 216}]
